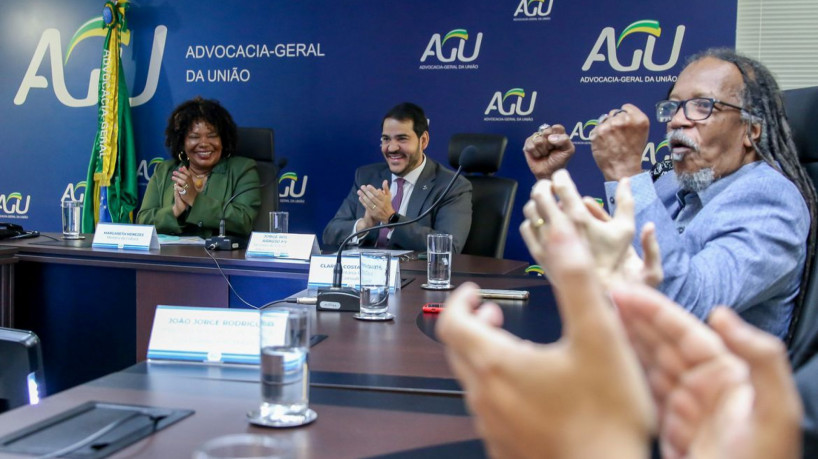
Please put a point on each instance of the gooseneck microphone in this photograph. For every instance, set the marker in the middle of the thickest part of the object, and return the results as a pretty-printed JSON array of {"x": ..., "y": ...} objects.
[
  {"x": 337, "y": 298},
  {"x": 222, "y": 241}
]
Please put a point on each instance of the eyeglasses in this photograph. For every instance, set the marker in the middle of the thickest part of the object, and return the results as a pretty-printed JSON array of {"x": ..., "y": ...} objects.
[{"x": 697, "y": 109}]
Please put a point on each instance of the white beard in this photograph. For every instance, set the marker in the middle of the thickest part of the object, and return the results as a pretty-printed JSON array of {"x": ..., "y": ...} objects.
[{"x": 696, "y": 181}]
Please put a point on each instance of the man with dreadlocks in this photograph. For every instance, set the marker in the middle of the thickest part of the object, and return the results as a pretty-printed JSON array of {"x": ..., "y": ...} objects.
[{"x": 735, "y": 217}]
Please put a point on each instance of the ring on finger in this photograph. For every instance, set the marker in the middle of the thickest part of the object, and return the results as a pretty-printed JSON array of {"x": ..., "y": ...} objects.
[
  {"x": 602, "y": 118},
  {"x": 538, "y": 223},
  {"x": 183, "y": 191},
  {"x": 542, "y": 128}
]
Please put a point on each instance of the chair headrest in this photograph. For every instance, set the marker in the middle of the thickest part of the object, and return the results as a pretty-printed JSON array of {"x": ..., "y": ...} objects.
[
  {"x": 802, "y": 113},
  {"x": 256, "y": 143},
  {"x": 486, "y": 156}
]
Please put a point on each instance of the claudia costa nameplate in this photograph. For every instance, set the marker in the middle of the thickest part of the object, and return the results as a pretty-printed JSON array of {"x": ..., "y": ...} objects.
[{"x": 323, "y": 266}]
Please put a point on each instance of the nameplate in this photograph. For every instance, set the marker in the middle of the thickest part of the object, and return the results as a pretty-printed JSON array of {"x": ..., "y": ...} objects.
[
  {"x": 125, "y": 236},
  {"x": 210, "y": 334},
  {"x": 285, "y": 246},
  {"x": 322, "y": 267}
]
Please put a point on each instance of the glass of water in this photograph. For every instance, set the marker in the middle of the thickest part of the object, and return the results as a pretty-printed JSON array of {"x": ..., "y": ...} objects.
[
  {"x": 71, "y": 218},
  {"x": 246, "y": 446},
  {"x": 279, "y": 222},
  {"x": 439, "y": 261},
  {"x": 285, "y": 375},
  {"x": 374, "y": 279}
]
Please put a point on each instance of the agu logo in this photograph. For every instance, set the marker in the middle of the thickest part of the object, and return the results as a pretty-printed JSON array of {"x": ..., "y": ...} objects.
[
  {"x": 511, "y": 103},
  {"x": 290, "y": 180},
  {"x": 74, "y": 192},
  {"x": 13, "y": 205},
  {"x": 456, "y": 50},
  {"x": 607, "y": 47},
  {"x": 582, "y": 131},
  {"x": 51, "y": 45},
  {"x": 533, "y": 10},
  {"x": 651, "y": 152},
  {"x": 146, "y": 168}
]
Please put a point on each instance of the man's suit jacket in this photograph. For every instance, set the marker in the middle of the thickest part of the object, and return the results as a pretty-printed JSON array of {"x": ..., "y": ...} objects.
[{"x": 452, "y": 216}]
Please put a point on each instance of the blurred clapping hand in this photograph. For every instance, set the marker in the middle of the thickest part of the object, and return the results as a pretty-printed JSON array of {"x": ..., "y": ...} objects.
[{"x": 609, "y": 239}]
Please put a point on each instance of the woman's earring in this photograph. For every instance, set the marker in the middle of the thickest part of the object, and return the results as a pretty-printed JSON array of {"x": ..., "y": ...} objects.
[{"x": 182, "y": 157}]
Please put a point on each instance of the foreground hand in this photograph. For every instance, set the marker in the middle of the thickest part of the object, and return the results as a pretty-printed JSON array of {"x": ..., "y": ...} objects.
[
  {"x": 548, "y": 151},
  {"x": 377, "y": 202},
  {"x": 609, "y": 239},
  {"x": 618, "y": 141},
  {"x": 725, "y": 392},
  {"x": 534, "y": 400},
  {"x": 646, "y": 271}
]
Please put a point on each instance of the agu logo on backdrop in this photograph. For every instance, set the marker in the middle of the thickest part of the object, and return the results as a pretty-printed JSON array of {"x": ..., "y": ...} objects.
[
  {"x": 145, "y": 169},
  {"x": 50, "y": 45},
  {"x": 14, "y": 205},
  {"x": 74, "y": 192},
  {"x": 292, "y": 193},
  {"x": 608, "y": 53},
  {"x": 454, "y": 51},
  {"x": 510, "y": 106},
  {"x": 533, "y": 10},
  {"x": 581, "y": 132},
  {"x": 653, "y": 152}
]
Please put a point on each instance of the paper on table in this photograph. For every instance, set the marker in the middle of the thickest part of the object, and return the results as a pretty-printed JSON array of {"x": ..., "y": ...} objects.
[
  {"x": 395, "y": 253},
  {"x": 167, "y": 239}
]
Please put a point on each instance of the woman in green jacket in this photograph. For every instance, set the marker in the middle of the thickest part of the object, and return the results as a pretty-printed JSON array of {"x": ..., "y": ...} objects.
[{"x": 190, "y": 194}]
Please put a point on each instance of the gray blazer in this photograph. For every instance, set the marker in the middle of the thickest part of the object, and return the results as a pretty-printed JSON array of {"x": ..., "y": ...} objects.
[{"x": 452, "y": 216}]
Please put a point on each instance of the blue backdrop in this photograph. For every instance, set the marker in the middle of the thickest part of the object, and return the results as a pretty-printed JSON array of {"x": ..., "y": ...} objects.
[{"x": 323, "y": 73}]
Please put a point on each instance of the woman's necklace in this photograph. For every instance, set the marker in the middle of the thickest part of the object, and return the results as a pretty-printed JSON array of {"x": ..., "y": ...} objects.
[{"x": 199, "y": 180}]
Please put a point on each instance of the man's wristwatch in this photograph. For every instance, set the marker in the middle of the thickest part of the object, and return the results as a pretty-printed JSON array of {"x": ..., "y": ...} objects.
[{"x": 393, "y": 218}]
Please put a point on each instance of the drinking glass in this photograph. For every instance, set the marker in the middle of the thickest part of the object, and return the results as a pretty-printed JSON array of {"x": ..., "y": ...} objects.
[
  {"x": 71, "y": 218},
  {"x": 285, "y": 375},
  {"x": 374, "y": 279},
  {"x": 279, "y": 222},
  {"x": 245, "y": 446},
  {"x": 439, "y": 261}
]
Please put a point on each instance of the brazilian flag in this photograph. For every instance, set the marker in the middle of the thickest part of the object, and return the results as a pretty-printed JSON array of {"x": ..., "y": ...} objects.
[{"x": 111, "y": 193}]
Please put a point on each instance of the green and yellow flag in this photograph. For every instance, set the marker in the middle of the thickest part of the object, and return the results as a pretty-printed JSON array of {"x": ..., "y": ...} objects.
[{"x": 111, "y": 193}]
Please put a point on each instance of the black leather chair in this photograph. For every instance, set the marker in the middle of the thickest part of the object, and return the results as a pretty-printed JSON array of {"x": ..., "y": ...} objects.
[
  {"x": 802, "y": 112},
  {"x": 492, "y": 197},
  {"x": 259, "y": 144}
]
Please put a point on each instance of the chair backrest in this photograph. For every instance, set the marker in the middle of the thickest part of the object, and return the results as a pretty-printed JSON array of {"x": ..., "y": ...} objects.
[
  {"x": 492, "y": 197},
  {"x": 802, "y": 114},
  {"x": 21, "y": 373},
  {"x": 259, "y": 144}
]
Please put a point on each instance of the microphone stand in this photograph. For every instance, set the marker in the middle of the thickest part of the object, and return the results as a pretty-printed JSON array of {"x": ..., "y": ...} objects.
[
  {"x": 222, "y": 241},
  {"x": 338, "y": 298}
]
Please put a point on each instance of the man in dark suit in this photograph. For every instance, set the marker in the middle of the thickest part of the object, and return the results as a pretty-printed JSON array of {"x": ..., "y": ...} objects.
[{"x": 402, "y": 189}]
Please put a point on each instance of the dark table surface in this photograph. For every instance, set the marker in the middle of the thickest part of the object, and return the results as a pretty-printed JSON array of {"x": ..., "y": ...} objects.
[{"x": 352, "y": 423}]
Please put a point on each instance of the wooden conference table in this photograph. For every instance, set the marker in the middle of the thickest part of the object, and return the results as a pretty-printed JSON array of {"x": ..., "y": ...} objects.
[
  {"x": 93, "y": 308},
  {"x": 379, "y": 388}
]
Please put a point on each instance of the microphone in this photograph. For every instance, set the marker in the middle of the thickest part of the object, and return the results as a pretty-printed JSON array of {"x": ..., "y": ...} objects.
[
  {"x": 222, "y": 241},
  {"x": 337, "y": 298}
]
